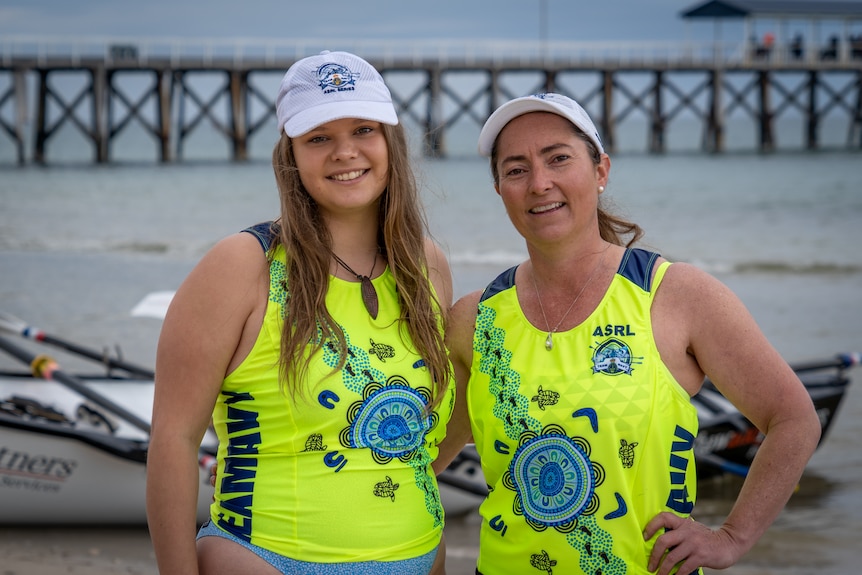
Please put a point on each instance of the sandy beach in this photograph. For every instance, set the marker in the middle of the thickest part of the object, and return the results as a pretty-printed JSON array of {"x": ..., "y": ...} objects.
[
  {"x": 788, "y": 548},
  {"x": 79, "y": 551},
  {"x": 127, "y": 550}
]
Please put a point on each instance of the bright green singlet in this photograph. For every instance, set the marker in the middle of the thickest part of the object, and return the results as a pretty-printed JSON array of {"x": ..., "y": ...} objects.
[
  {"x": 342, "y": 471},
  {"x": 581, "y": 445}
]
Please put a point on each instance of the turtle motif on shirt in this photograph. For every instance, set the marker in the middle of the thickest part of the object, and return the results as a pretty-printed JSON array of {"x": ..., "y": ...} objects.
[
  {"x": 314, "y": 443},
  {"x": 386, "y": 488},
  {"x": 542, "y": 561},
  {"x": 627, "y": 453},
  {"x": 545, "y": 397},
  {"x": 381, "y": 350}
]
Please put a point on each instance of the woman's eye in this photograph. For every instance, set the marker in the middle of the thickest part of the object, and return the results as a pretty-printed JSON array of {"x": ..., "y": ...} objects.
[
  {"x": 365, "y": 130},
  {"x": 317, "y": 139},
  {"x": 560, "y": 158}
]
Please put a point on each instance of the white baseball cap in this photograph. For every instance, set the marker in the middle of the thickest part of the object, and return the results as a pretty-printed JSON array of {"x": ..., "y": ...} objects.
[
  {"x": 549, "y": 102},
  {"x": 331, "y": 86}
]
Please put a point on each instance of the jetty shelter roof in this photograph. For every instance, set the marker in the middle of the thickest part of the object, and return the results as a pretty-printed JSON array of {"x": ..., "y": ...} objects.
[{"x": 803, "y": 9}]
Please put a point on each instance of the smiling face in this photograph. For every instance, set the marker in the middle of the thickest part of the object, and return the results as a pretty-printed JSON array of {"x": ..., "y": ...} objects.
[
  {"x": 343, "y": 164},
  {"x": 547, "y": 178}
]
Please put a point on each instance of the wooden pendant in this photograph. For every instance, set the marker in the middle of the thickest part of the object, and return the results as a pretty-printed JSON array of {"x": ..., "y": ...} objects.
[{"x": 369, "y": 296}]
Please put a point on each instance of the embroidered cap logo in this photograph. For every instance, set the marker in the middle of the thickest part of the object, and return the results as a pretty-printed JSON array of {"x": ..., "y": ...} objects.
[{"x": 336, "y": 78}]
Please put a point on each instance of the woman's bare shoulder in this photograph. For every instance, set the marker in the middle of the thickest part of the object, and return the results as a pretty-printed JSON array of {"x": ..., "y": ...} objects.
[
  {"x": 224, "y": 277},
  {"x": 462, "y": 316},
  {"x": 439, "y": 272}
]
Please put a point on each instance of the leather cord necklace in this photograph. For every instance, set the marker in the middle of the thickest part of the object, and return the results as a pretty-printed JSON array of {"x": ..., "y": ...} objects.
[
  {"x": 549, "y": 341},
  {"x": 369, "y": 294}
]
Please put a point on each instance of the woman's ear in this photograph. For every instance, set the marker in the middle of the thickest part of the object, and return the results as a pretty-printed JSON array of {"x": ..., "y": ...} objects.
[{"x": 603, "y": 170}]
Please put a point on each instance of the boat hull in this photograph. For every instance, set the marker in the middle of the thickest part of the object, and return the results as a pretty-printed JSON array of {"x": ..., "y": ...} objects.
[{"x": 61, "y": 464}]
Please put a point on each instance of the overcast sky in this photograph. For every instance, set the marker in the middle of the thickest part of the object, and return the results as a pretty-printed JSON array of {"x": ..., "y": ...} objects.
[{"x": 355, "y": 19}]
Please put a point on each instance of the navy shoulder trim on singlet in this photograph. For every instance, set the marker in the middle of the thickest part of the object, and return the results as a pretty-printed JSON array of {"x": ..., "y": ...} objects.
[
  {"x": 637, "y": 265},
  {"x": 264, "y": 232},
  {"x": 503, "y": 282}
]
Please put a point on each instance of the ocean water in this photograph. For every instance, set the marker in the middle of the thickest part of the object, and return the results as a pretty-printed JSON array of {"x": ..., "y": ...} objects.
[{"x": 80, "y": 245}]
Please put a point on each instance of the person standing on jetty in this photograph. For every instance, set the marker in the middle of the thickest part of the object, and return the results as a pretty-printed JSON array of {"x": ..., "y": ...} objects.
[
  {"x": 576, "y": 368},
  {"x": 315, "y": 343}
]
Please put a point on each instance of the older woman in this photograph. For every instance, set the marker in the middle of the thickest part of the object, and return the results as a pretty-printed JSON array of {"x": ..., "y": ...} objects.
[{"x": 578, "y": 366}]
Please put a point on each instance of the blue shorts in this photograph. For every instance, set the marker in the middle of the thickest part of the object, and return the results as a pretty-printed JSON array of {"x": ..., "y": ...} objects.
[{"x": 416, "y": 566}]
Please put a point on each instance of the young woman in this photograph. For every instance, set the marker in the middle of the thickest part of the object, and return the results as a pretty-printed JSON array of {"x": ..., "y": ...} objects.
[
  {"x": 576, "y": 370},
  {"x": 314, "y": 343}
]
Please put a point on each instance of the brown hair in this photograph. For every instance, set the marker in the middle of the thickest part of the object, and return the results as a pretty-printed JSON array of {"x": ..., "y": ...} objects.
[
  {"x": 613, "y": 229},
  {"x": 401, "y": 235}
]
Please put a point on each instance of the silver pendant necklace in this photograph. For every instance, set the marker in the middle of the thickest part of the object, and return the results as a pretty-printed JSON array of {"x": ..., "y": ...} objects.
[
  {"x": 549, "y": 341},
  {"x": 369, "y": 294}
]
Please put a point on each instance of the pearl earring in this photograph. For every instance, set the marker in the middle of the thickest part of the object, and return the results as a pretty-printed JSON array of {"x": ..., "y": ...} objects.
[{"x": 601, "y": 189}]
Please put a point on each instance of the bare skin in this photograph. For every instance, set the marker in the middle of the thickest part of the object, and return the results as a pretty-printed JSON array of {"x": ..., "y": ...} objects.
[{"x": 550, "y": 189}]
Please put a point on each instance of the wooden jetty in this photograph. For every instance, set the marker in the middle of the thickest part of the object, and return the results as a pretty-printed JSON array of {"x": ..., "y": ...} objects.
[{"x": 708, "y": 81}]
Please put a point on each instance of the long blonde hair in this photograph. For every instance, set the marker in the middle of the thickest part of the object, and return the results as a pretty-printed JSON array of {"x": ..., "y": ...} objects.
[{"x": 401, "y": 234}]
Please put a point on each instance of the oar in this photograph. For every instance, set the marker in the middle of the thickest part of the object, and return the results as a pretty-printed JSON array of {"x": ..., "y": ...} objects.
[
  {"x": 840, "y": 361},
  {"x": 722, "y": 464},
  {"x": 12, "y": 324},
  {"x": 44, "y": 367}
]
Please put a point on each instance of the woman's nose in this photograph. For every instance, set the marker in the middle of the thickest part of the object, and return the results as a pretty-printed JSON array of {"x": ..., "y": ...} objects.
[
  {"x": 344, "y": 148},
  {"x": 540, "y": 180}
]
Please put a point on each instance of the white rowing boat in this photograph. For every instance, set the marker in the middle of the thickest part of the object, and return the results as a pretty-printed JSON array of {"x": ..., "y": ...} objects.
[{"x": 67, "y": 460}]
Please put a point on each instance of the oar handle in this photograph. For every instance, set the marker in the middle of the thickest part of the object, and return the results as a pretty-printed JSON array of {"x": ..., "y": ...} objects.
[
  {"x": 840, "y": 361},
  {"x": 102, "y": 358},
  {"x": 12, "y": 324},
  {"x": 46, "y": 368}
]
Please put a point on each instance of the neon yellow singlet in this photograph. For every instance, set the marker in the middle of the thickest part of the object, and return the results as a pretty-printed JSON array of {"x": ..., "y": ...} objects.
[
  {"x": 342, "y": 471},
  {"x": 581, "y": 445}
]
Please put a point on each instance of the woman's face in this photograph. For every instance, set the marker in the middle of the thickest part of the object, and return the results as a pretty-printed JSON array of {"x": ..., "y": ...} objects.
[
  {"x": 547, "y": 179},
  {"x": 343, "y": 164}
]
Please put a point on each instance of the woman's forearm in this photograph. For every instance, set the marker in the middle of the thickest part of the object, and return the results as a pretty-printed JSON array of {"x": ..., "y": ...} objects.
[{"x": 172, "y": 494}]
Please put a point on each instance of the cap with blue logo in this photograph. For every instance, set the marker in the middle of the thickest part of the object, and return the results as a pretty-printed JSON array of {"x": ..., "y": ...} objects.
[{"x": 331, "y": 86}]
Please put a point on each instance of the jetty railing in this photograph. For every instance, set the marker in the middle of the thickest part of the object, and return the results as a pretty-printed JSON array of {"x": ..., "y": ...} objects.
[
  {"x": 143, "y": 50},
  {"x": 179, "y": 50}
]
